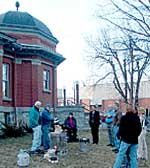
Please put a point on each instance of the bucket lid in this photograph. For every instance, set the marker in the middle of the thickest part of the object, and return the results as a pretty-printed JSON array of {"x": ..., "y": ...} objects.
[{"x": 84, "y": 139}]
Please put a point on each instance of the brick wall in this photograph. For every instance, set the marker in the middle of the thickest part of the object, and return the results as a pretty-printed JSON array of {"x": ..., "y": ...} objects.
[
  {"x": 33, "y": 39},
  {"x": 144, "y": 102},
  {"x": 26, "y": 85}
]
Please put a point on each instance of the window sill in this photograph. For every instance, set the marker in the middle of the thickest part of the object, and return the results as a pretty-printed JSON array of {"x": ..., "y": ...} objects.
[
  {"x": 47, "y": 91},
  {"x": 7, "y": 99}
]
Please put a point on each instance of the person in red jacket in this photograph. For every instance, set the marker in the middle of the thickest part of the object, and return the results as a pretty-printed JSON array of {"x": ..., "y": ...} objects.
[{"x": 70, "y": 125}]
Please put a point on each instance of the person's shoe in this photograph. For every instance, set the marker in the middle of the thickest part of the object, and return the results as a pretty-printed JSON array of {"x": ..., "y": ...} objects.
[
  {"x": 96, "y": 143},
  {"x": 111, "y": 145},
  {"x": 32, "y": 152},
  {"x": 39, "y": 151},
  {"x": 115, "y": 150},
  {"x": 45, "y": 151}
]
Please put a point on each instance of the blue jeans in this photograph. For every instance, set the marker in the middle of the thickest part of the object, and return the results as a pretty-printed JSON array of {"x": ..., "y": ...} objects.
[
  {"x": 36, "y": 141},
  {"x": 45, "y": 137},
  {"x": 110, "y": 133},
  {"x": 122, "y": 152},
  {"x": 116, "y": 140}
]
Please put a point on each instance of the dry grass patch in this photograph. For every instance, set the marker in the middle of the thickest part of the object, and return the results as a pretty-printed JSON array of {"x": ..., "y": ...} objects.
[{"x": 99, "y": 156}]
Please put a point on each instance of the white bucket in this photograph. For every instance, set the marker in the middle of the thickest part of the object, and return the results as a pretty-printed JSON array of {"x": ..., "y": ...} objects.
[{"x": 23, "y": 158}]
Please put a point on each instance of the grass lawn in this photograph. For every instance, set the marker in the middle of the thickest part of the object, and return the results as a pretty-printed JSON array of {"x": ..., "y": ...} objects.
[{"x": 99, "y": 156}]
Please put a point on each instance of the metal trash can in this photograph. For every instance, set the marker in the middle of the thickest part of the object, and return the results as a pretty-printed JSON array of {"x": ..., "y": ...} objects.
[
  {"x": 63, "y": 144},
  {"x": 84, "y": 144}
]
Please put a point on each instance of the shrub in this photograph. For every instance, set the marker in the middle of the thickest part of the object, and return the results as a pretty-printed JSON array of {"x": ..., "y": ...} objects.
[
  {"x": 12, "y": 130},
  {"x": 27, "y": 128}
]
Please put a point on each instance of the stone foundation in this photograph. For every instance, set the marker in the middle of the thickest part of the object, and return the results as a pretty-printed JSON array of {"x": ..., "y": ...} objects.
[{"x": 61, "y": 113}]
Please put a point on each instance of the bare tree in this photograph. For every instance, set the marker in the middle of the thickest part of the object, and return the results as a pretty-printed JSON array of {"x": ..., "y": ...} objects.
[{"x": 127, "y": 52}]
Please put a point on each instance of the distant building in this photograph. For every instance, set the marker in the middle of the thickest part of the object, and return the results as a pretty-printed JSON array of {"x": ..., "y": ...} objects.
[
  {"x": 105, "y": 94},
  {"x": 28, "y": 61}
]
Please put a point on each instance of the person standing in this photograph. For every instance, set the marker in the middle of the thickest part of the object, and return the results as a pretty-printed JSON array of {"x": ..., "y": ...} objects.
[
  {"x": 70, "y": 125},
  {"x": 47, "y": 120},
  {"x": 129, "y": 130},
  {"x": 142, "y": 152},
  {"x": 35, "y": 124},
  {"x": 94, "y": 122},
  {"x": 115, "y": 125},
  {"x": 109, "y": 117}
]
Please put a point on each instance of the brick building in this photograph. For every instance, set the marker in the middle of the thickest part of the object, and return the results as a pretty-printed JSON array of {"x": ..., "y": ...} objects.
[
  {"x": 106, "y": 94},
  {"x": 28, "y": 61}
]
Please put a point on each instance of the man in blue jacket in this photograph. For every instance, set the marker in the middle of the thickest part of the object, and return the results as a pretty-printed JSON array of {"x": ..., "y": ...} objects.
[
  {"x": 47, "y": 120},
  {"x": 109, "y": 116},
  {"x": 35, "y": 124}
]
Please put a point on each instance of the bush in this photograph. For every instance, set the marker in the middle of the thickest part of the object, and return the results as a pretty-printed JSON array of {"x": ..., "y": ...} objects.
[
  {"x": 27, "y": 128},
  {"x": 11, "y": 130}
]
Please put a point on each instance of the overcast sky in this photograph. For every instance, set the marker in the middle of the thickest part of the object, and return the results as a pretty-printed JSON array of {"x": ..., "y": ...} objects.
[{"x": 69, "y": 21}]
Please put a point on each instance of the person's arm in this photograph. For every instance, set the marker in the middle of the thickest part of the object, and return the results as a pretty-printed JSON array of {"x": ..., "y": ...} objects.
[
  {"x": 75, "y": 121},
  {"x": 139, "y": 126},
  {"x": 33, "y": 121},
  {"x": 97, "y": 118},
  {"x": 90, "y": 119},
  {"x": 46, "y": 116},
  {"x": 119, "y": 115},
  {"x": 120, "y": 132},
  {"x": 66, "y": 123}
]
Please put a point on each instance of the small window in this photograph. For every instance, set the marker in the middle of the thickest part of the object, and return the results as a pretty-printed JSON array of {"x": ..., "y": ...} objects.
[
  {"x": 5, "y": 79},
  {"x": 46, "y": 80},
  {"x": 9, "y": 118}
]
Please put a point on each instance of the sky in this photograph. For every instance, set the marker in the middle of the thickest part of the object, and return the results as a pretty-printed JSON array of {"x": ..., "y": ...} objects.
[{"x": 69, "y": 21}]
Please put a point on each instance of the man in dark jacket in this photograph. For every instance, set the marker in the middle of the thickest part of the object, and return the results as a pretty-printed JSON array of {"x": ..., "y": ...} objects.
[
  {"x": 70, "y": 125},
  {"x": 94, "y": 121},
  {"x": 129, "y": 130}
]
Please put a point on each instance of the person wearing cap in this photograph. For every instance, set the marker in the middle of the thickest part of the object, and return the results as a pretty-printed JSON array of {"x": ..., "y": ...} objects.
[
  {"x": 70, "y": 125},
  {"x": 47, "y": 120},
  {"x": 94, "y": 122},
  {"x": 142, "y": 152},
  {"x": 35, "y": 124}
]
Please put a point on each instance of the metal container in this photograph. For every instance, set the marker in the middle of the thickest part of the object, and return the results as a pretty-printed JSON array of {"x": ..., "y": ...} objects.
[
  {"x": 63, "y": 144},
  {"x": 84, "y": 144}
]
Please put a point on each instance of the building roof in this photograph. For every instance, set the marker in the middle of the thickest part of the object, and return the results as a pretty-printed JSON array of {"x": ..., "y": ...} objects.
[
  {"x": 24, "y": 23},
  {"x": 17, "y": 19}
]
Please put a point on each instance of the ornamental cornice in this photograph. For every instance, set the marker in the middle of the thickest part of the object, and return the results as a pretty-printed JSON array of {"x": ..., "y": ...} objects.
[
  {"x": 10, "y": 45},
  {"x": 43, "y": 52},
  {"x": 28, "y": 31}
]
